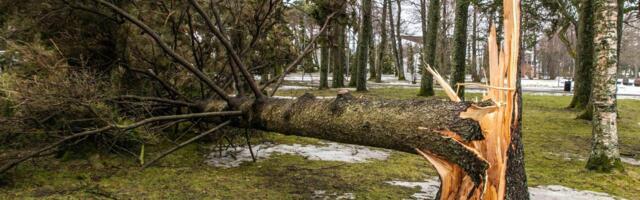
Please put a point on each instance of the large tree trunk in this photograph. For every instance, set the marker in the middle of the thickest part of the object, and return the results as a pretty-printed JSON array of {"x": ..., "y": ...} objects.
[
  {"x": 429, "y": 39},
  {"x": 475, "y": 75},
  {"x": 460, "y": 46},
  {"x": 605, "y": 155},
  {"x": 382, "y": 49},
  {"x": 324, "y": 62},
  {"x": 399, "y": 41},
  {"x": 338, "y": 55},
  {"x": 364, "y": 40},
  {"x": 584, "y": 65},
  {"x": 394, "y": 42}
]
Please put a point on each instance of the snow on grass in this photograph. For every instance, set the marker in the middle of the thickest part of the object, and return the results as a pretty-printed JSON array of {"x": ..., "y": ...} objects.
[
  {"x": 430, "y": 187},
  {"x": 328, "y": 151}
]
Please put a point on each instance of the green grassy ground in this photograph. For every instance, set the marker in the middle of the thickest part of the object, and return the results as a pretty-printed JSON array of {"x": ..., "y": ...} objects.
[{"x": 551, "y": 136}]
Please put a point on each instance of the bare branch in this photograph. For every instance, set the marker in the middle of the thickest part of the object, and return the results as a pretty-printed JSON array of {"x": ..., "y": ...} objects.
[
  {"x": 163, "y": 154},
  {"x": 239, "y": 64},
  {"x": 158, "y": 99},
  {"x": 112, "y": 127},
  {"x": 182, "y": 61}
]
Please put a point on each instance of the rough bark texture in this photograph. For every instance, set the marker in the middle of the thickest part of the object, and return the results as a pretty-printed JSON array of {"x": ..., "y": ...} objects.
[
  {"x": 372, "y": 58},
  {"x": 364, "y": 39},
  {"x": 324, "y": 62},
  {"x": 402, "y": 125},
  {"x": 460, "y": 45},
  {"x": 516, "y": 174},
  {"x": 605, "y": 155},
  {"x": 429, "y": 32},
  {"x": 338, "y": 55},
  {"x": 399, "y": 41},
  {"x": 394, "y": 42},
  {"x": 475, "y": 75},
  {"x": 382, "y": 49},
  {"x": 584, "y": 66}
]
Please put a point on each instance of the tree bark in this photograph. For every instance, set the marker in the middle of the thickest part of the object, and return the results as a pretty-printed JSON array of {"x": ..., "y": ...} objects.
[
  {"x": 338, "y": 55},
  {"x": 475, "y": 75},
  {"x": 584, "y": 66},
  {"x": 364, "y": 38},
  {"x": 605, "y": 155},
  {"x": 402, "y": 125},
  {"x": 382, "y": 49},
  {"x": 394, "y": 42},
  {"x": 429, "y": 39},
  {"x": 460, "y": 46},
  {"x": 324, "y": 61},
  {"x": 399, "y": 41}
]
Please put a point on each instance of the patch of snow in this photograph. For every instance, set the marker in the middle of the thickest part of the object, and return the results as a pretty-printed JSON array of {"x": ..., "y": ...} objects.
[
  {"x": 430, "y": 187},
  {"x": 294, "y": 87},
  {"x": 630, "y": 161},
  {"x": 328, "y": 151},
  {"x": 321, "y": 194},
  {"x": 558, "y": 192}
]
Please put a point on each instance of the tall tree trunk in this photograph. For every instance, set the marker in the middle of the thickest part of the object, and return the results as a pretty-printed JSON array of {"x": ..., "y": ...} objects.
[
  {"x": 460, "y": 46},
  {"x": 429, "y": 39},
  {"x": 394, "y": 42},
  {"x": 338, "y": 56},
  {"x": 475, "y": 75},
  {"x": 372, "y": 59},
  {"x": 444, "y": 42},
  {"x": 399, "y": 41},
  {"x": 382, "y": 49},
  {"x": 324, "y": 61},
  {"x": 584, "y": 65},
  {"x": 364, "y": 38},
  {"x": 605, "y": 155},
  {"x": 411, "y": 63}
]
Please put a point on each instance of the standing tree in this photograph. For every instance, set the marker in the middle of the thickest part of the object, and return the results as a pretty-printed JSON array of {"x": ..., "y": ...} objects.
[
  {"x": 382, "y": 48},
  {"x": 411, "y": 66},
  {"x": 399, "y": 41},
  {"x": 460, "y": 46},
  {"x": 394, "y": 43},
  {"x": 324, "y": 61},
  {"x": 605, "y": 155},
  {"x": 364, "y": 40},
  {"x": 429, "y": 39},
  {"x": 585, "y": 56},
  {"x": 475, "y": 73}
]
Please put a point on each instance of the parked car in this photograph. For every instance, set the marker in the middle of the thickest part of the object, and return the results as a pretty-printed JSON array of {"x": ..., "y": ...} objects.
[
  {"x": 637, "y": 82},
  {"x": 626, "y": 81}
]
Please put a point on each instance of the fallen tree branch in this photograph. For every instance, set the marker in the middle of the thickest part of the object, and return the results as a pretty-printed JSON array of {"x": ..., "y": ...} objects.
[
  {"x": 12, "y": 164},
  {"x": 157, "y": 99},
  {"x": 163, "y": 154},
  {"x": 182, "y": 61}
]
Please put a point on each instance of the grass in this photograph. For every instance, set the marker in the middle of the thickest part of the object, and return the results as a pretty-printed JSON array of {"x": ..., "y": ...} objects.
[{"x": 552, "y": 135}]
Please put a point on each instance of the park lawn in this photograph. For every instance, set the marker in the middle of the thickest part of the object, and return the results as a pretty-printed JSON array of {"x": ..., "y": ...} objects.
[{"x": 556, "y": 146}]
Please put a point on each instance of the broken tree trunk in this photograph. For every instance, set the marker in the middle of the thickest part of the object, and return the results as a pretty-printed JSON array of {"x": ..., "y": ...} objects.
[{"x": 432, "y": 125}]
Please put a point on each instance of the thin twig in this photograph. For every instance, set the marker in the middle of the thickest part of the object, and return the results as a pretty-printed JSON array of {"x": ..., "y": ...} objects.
[{"x": 246, "y": 136}]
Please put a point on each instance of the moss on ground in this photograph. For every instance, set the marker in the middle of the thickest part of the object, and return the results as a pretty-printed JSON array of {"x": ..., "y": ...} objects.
[{"x": 556, "y": 149}]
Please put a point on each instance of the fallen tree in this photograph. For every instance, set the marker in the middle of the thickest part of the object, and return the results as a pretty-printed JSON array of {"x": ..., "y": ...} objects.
[{"x": 467, "y": 142}]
